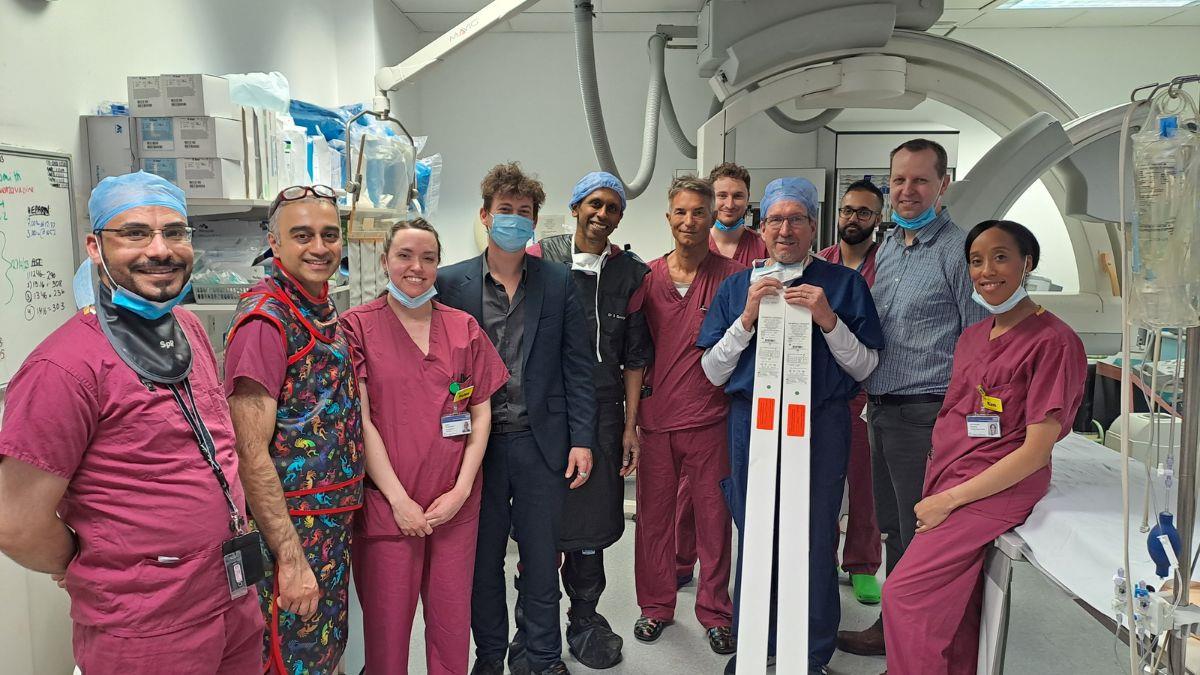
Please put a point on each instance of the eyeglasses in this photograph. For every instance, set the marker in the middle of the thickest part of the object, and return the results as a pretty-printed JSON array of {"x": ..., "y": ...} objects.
[
  {"x": 136, "y": 235},
  {"x": 863, "y": 214},
  {"x": 776, "y": 222},
  {"x": 298, "y": 192}
]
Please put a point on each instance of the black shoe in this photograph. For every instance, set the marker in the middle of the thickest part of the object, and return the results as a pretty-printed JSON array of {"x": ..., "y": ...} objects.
[
  {"x": 721, "y": 640},
  {"x": 488, "y": 667},
  {"x": 731, "y": 666},
  {"x": 818, "y": 670},
  {"x": 517, "y": 663},
  {"x": 683, "y": 580},
  {"x": 556, "y": 668},
  {"x": 591, "y": 640},
  {"x": 649, "y": 630}
]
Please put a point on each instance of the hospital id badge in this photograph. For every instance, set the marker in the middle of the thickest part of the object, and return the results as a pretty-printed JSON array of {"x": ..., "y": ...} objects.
[
  {"x": 456, "y": 424},
  {"x": 983, "y": 425},
  {"x": 243, "y": 563}
]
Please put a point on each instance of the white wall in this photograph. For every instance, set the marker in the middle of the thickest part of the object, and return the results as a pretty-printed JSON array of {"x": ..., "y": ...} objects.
[
  {"x": 59, "y": 59},
  {"x": 516, "y": 96}
]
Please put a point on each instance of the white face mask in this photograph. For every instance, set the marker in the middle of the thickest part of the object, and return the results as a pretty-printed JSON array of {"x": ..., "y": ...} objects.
[
  {"x": 783, "y": 272},
  {"x": 589, "y": 263}
]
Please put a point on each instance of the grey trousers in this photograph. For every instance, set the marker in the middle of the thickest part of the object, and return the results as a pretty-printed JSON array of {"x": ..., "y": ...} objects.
[{"x": 901, "y": 440}]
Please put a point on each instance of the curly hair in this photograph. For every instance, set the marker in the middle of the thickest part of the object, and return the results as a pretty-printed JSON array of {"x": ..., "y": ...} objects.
[
  {"x": 730, "y": 170},
  {"x": 508, "y": 179}
]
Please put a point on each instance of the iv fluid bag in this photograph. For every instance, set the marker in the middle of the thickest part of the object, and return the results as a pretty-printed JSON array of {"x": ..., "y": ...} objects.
[{"x": 1163, "y": 242}]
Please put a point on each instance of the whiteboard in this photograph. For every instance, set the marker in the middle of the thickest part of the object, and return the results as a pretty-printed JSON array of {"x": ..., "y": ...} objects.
[{"x": 37, "y": 251}]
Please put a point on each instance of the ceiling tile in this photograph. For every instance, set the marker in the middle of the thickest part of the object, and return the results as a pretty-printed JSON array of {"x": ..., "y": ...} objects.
[
  {"x": 966, "y": 4},
  {"x": 643, "y": 22},
  {"x": 1188, "y": 17},
  {"x": 1025, "y": 18},
  {"x": 436, "y": 22},
  {"x": 1120, "y": 17}
]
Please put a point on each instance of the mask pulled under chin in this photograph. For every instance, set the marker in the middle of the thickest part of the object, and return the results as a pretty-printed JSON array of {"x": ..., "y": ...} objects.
[
  {"x": 783, "y": 272},
  {"x": 730, "y": 228},
  {"x": 408, "y": 300},
  {"x": 156, "y": 349}
]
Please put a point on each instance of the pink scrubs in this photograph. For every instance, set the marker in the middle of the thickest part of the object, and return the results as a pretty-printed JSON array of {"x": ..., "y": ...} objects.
[
  {"x": 148, "y": 588},
  {"x": 682, "y": 429},
  {"x": 863, "y": 550},
  {"x": 409, "y": 393},
  {"x": 932, "y": 601}
]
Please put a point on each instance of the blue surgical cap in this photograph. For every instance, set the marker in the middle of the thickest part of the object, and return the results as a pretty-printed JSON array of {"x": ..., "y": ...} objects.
[
  {"x": 799, "y": 190},
  {"x": 594, "y": 181},
  {"x": 117, "y": 194}
]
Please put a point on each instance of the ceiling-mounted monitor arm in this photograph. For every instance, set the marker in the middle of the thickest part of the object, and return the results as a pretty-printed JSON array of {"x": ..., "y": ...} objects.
[{"x": 390, "y": 78}]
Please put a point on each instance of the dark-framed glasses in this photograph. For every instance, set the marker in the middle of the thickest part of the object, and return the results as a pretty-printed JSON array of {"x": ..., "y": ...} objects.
[{"x": 863, "y": 213}]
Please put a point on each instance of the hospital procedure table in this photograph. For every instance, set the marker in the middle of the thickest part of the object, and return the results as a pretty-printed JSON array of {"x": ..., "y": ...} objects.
[{"x": 1073, "y": 537}]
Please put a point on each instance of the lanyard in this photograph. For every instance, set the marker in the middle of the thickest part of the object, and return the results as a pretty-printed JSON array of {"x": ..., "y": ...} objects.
[{"x": 207, "y": 450}]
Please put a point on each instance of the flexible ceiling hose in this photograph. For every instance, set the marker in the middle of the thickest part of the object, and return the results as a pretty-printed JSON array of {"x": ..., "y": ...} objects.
[{"x": 585, "y": 57}]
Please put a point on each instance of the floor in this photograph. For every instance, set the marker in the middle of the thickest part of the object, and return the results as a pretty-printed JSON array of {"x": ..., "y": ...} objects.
[{"x": 1048, "y": 633}]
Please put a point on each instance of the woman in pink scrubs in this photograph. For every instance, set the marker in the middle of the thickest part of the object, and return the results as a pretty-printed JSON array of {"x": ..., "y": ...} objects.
[
  {"x": 1016, "y": 386},
  {"x": 427, "y": 373}
]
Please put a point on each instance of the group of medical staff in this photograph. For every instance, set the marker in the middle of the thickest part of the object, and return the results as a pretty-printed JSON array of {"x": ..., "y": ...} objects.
[{"x": 210, "y": 523}]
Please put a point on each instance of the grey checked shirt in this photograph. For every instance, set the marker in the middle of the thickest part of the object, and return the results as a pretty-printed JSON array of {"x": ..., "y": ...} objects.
[{"x": 923, "y": 294}]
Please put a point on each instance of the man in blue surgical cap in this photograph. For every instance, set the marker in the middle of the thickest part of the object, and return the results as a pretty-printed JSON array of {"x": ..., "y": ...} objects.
[
  {"x": 844, "y": 347},
  {"x": 118, "y": 474},
  {"x": 606, "y": 278}
]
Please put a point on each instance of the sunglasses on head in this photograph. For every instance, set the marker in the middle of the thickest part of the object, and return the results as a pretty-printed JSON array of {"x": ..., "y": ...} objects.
[{"x": 298, "y": 192}]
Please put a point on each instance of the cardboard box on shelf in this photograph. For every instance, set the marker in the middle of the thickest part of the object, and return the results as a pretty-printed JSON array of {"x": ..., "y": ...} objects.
[
  {"x": 190, "y": 137},
  {"x": 203, "y": 177},
  {"x": 196, "y": 95},
  {"x": 110, "y": 146},
  {"x": 145, "y": 95}
]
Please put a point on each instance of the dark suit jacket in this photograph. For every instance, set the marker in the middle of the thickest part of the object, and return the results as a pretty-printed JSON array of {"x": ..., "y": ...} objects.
[{"x": 559, "y": 393}]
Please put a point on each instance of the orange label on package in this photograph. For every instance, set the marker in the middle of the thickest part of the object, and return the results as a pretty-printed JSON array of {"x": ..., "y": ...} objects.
[
  {"x": 795, "y": 420},
  {"x": 766, "y": 414}
]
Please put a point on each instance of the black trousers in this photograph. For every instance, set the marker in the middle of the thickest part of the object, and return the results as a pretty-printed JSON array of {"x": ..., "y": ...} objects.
[
  {"x": 521, "y": 493},
  {"x": 901, "y": 437}
]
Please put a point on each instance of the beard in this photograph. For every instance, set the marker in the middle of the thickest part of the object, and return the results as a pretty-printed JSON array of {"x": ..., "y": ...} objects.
[{"x": 854, "y": 235}]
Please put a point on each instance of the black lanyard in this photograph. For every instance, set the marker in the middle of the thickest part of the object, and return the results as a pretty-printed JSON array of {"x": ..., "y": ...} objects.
[{"x": 207, "y": 449}]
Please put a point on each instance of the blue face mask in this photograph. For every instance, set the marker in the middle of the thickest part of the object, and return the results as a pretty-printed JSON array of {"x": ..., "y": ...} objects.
[
  {"x": 917, "y": 223},
  {"x": 730, "y": 228},
  {"x": 408, "y": 300},
  {"x": 510, "y": 231},
  {"x": 924, "y": 218},
  {"x": 147, "y": 309}
]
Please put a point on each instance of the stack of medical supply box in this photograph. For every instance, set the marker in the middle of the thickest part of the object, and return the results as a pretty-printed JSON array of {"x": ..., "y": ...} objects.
[{"x": 188, "y": 131}]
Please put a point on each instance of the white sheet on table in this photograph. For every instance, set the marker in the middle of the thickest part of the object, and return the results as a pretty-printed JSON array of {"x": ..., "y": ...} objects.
[{"x": 1074, "y": 533}]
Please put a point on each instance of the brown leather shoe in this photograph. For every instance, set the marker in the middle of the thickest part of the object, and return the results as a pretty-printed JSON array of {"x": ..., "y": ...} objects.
[{"x": 867, "y": 642}]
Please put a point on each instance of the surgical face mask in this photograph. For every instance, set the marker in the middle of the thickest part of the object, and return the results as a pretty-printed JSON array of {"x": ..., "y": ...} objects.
[
  {"x": 784, "y": 272},
  {"x": 924, "y": 218},
  {"x": 588, "y": 263},
  {"x": 1012, "y": 301},
  {"x": 510, "y": 231},
  {"x": 408, "y": 300},
  {"x": 730, "y": 228},
  {"x": 147, "y": 309}
]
